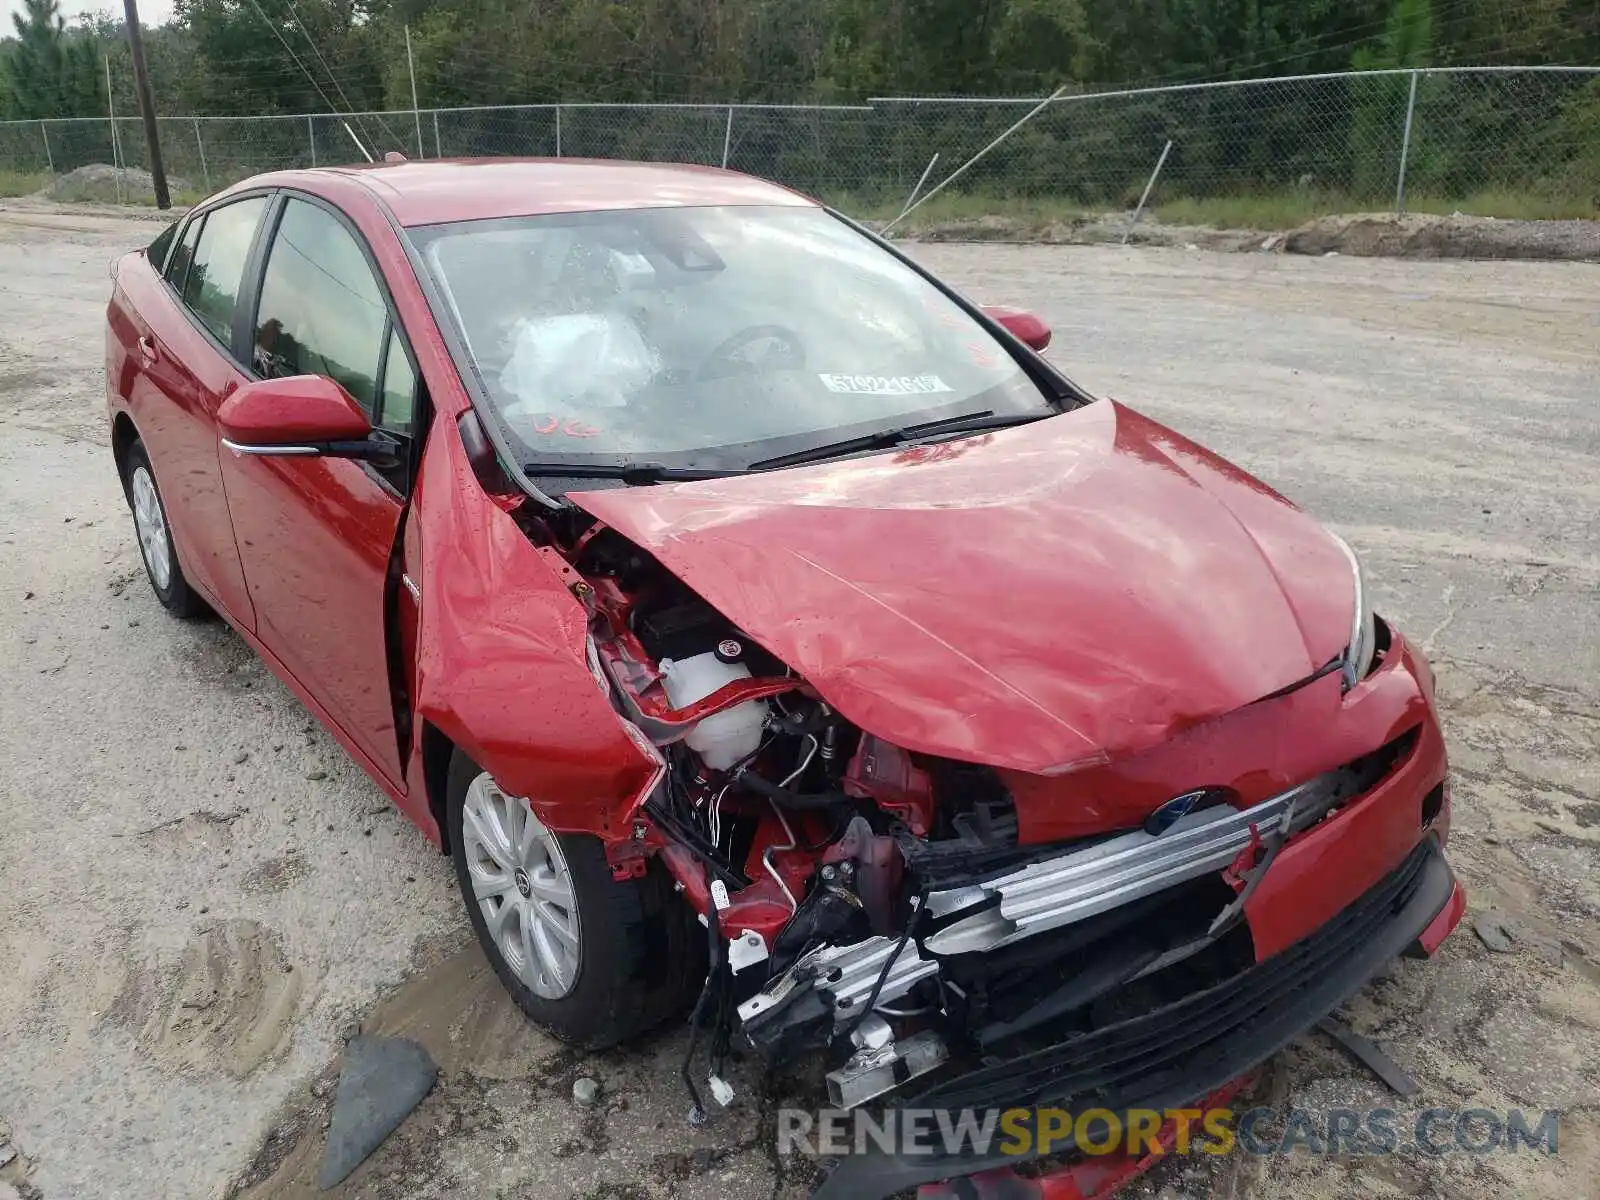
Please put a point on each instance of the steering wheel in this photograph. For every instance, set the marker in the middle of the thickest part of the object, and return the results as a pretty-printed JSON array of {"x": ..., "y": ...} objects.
[{"x": 742, "y": 353}]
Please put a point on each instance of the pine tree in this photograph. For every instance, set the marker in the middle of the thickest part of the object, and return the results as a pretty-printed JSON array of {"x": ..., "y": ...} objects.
[
  {"x": 47, "y": 71},
  {"x": 35, "y": 61}
]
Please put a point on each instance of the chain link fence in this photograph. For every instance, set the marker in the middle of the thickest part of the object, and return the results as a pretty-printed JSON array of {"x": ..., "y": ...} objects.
[
  {"x": 1358, "y": 141},
  {"x": 1495, "y": 141}
]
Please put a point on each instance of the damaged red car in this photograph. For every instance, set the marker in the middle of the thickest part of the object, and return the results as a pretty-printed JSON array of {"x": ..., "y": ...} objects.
[{"x": 764, "y": 628}]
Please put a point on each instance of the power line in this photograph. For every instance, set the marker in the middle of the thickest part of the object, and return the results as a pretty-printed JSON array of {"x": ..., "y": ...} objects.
[
  {"x": 300, "y": 21},
  {"x": 1371, "y": 29},
  {"x": 289, "y": 50}
]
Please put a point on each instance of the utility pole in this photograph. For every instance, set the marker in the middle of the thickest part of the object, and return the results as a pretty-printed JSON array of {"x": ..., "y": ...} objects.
[{"x": 147, "y": 104}]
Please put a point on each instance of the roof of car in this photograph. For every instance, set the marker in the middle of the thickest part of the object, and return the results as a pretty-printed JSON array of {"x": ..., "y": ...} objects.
[{"x": 442, "y": 190}]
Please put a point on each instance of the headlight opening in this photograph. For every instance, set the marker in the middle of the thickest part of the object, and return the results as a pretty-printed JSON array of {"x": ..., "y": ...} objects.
[{"x": 1363, "y": 645}]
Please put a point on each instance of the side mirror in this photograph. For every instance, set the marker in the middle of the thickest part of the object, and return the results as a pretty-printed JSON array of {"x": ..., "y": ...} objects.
[
  {"x": 1027, "y": 328},
  {"x": 301, "y": 416}
]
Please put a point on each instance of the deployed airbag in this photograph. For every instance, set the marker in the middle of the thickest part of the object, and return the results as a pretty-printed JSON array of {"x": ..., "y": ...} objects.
[{"x": 575, "y": 361}]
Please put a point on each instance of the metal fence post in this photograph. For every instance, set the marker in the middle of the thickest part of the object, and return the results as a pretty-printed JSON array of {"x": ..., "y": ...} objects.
[
  {"x": 200, "y": 145},
  {"x": 921, "y": 179},
  {"x": 416, "y": 116},
  {"x": 962, "y": 169},
  {"x": 311, "y": 133},
  {"x": 727, "y": 138},
  {"x": 558, "y": 131},
  {"x": 111, "y": 118},
  {"x": 1405, "y": 148},
  {"x": 438, "y": 152},
  {"x": 49, "y": 159},
  {"x": 1144, "y": 199}
]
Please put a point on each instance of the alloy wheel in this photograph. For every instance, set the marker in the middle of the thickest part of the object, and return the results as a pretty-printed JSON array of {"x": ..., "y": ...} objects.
[
  {"x": 151, "y": 527},
  {"x": 521, "y": 884}
]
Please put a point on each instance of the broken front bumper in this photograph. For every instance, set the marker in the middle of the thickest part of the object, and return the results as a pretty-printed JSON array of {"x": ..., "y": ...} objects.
[{"x": 1168, "y": 1057}]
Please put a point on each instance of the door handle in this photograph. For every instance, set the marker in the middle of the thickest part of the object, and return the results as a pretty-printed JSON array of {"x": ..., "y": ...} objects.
[{"x": 147, "y": 349}]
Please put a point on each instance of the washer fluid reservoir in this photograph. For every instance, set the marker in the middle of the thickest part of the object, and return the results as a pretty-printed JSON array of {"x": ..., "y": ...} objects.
[{"x": 723, "y": 738}]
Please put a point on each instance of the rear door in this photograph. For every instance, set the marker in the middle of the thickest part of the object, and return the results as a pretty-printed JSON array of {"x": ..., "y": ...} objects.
[
  {"x": 317, "y": 535},
  {"x": 181, "y": 315}
]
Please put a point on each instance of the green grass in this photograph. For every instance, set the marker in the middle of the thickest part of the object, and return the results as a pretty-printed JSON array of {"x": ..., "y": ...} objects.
[
  {"x": 22, "y": 183},
  {"x": 959, "y": 206},
  {"x": 185, "y": 198},
  {"x": 1510, "y": 205}
]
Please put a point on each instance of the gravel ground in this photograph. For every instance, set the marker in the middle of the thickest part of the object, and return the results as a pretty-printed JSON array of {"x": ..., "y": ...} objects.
[{"x": 201, "y": 895}]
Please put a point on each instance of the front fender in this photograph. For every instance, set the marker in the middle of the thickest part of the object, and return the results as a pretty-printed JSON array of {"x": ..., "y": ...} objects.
[{"x": 501, "y": 658}]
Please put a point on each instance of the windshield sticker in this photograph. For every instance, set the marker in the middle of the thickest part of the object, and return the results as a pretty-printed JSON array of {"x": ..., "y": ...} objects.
[
  {"x": 546, "y": 426},
  {"x": 884, "y": 385}
]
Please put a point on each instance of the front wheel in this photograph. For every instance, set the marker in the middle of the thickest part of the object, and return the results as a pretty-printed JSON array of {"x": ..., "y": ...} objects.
[{"x": 592, "y": 959}]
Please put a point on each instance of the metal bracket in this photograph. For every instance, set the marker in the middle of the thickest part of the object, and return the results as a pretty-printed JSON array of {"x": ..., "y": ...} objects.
[
  {"x": 746, "y": 950},
  {"x": 874, "y": 1070}
]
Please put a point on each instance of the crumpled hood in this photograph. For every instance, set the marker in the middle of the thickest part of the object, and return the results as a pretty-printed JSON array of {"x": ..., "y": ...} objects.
[{"x": 1039, "y": 598}]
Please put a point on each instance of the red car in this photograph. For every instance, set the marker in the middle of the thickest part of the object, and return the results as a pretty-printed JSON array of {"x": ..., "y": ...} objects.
[{"x": 754, "y": 619}]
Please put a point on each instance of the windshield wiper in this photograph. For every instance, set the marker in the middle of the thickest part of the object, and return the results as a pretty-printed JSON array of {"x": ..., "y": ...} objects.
[
  {"x": 885, "y": 438},
  {"x": 632, "y": 474},
  {"x": 638, "y": 474}
]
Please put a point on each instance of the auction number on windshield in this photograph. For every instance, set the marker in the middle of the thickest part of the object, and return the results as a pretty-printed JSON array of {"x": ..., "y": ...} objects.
[{"x": 884, "y": 385}]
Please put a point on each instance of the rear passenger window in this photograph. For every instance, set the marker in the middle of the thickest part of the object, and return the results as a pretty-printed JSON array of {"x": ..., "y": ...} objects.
[
  {"x": 211, "y": 289},
  {"x": 321, "y": 312}
]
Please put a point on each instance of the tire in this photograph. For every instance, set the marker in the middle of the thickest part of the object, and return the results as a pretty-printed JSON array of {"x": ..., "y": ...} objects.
[
  {"x": 640, "y": 955},
  {"x": 154, "y": 534}
]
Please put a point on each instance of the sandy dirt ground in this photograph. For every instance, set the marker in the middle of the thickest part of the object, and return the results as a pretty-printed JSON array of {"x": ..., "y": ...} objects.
[{"x": 200, "y": 896}]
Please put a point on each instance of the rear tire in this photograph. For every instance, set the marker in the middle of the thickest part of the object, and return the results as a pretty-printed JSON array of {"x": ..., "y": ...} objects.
[
  {"x": 154, "y": 532},
  {"x": 639, "y": 954}
]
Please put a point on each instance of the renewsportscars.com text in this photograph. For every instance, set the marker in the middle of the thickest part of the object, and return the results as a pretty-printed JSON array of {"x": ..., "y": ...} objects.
[{"x": 1027, "y": 1132}]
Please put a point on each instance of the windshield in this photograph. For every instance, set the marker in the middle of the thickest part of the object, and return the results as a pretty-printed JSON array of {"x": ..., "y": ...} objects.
[{"x": 707, "y": 336}]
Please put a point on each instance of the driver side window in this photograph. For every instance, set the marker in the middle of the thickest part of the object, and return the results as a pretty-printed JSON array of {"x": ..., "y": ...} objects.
[{"x": 321, "y": 310}]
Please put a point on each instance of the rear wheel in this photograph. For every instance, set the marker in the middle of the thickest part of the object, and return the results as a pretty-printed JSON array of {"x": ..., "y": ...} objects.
[
  {"x": 591, "y": 958},
  {"x": 155, "y": 537}
]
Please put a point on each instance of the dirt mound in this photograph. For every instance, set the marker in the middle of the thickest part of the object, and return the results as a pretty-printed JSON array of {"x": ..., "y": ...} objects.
[
  {"x": 107, "y": 185},
  {"x": 1360, "y": 235},
  {"x": 1084, "y": 231},
  {"x": 1415, "y": 235}
]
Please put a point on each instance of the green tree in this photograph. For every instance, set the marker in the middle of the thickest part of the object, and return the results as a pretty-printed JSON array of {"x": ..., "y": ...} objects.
[
  {"x": 1379, "y": 103},
  {"x": 278, "y": 56},
  {"x": 47, "y": 71},
  {"x": 1407, "y": 40}
]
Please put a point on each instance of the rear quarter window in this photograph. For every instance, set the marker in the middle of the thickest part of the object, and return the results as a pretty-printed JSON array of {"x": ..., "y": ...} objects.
[
  {"x": 177, "y": 266},
  {"x": 158, "y": 250}
]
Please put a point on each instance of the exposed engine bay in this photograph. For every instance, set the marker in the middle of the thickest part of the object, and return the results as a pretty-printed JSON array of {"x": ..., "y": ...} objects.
[{"x": 878, "y": 906}]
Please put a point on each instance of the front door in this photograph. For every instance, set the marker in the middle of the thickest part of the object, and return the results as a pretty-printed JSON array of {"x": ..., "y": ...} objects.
[{"x": 316, "y": 535}]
